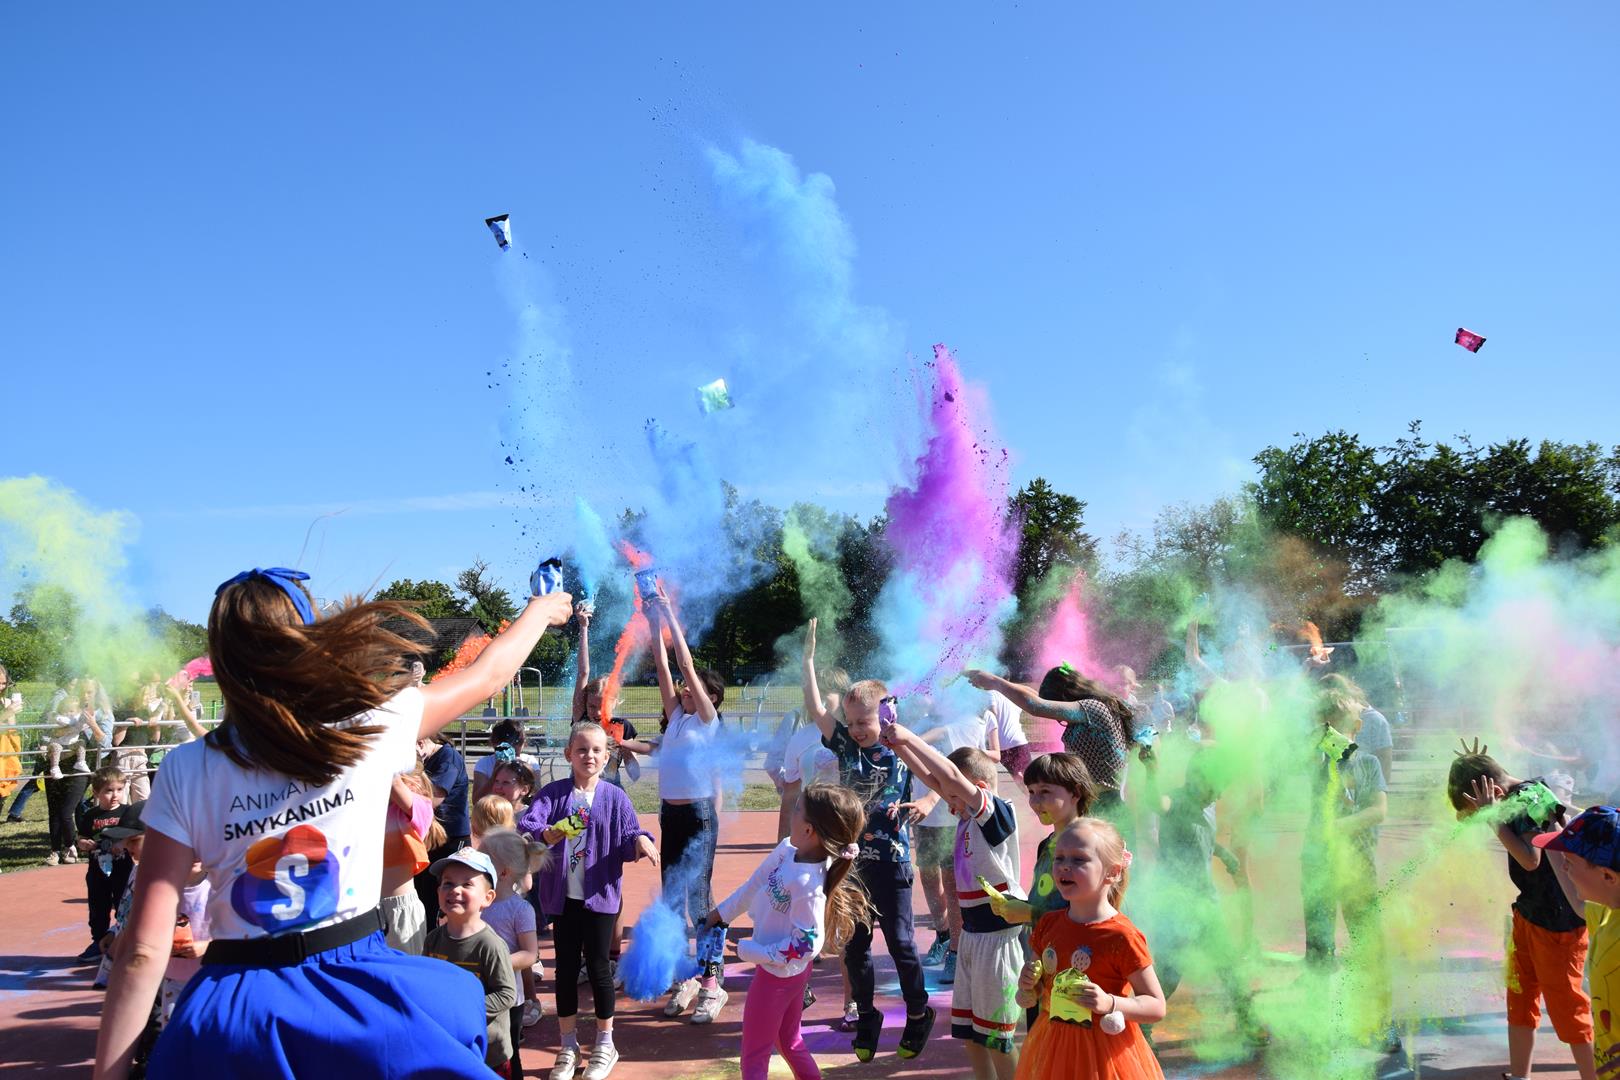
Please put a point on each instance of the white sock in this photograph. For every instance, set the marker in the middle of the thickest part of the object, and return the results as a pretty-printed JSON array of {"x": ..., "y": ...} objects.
[
  {"x": 571, "y": 1040},
  {"x": 604, "y": 1038}
]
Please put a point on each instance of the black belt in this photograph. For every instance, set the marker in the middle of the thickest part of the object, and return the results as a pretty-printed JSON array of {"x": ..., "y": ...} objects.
[{"x": 291, "y": 949}]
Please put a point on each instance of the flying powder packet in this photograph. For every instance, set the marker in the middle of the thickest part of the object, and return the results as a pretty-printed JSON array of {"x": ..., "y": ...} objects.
[
  {"x": 547, "y": 578},
  {"x": 501, "y": 226},
  {"x": 1469, "y": 340},
  {"x": 714, "y": 396},
  {"x": 647, "y": 583}
]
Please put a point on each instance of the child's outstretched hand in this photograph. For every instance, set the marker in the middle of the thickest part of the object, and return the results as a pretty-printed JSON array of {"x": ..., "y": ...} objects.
[
  {"x": 646, "y": 849},
  {"x": 892, "y": 735}
]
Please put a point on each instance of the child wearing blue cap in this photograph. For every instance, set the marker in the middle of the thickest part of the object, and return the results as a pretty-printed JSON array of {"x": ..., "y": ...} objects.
[
  {"x": 284, "y": 805},
  {"x": 1586, "y": 858}
]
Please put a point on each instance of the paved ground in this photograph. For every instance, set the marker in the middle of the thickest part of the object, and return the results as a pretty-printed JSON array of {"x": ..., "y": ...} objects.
[{"x": 48, "y": 1014}]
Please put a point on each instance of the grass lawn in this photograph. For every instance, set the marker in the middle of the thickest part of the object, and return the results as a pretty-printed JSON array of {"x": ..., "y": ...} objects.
[{"x": 25, "y": 844}]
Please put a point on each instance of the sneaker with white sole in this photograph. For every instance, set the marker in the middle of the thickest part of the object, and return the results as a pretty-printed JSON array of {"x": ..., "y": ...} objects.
[
  {"x": 935, "y": 955},
  {"x": 681, "y": 998},
  {"x": 567, "y": 1063},
  {"x": 69, "y": 855},
  {"x": 603, "y": 1058},
  {"x": 54, "y": 773},
  {"x": 52, "y": 858},
  {"x": 709, "y": 1004},
  {"x": 533, "y": 1013}
]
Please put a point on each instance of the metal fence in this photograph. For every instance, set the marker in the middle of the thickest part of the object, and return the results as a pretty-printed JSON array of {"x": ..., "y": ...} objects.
[{"x": 547, "y": 740}]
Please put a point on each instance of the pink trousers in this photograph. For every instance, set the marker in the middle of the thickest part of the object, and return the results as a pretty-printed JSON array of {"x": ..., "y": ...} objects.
[{"x": 771, "y": 1017}]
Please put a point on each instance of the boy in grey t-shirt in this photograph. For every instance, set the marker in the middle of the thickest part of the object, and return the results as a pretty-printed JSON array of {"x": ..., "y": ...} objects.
[{"x": 466, "y": 888}]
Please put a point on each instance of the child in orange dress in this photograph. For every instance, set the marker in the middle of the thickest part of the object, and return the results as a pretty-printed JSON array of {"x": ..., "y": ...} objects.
[{"x": 1091, "y": 973}]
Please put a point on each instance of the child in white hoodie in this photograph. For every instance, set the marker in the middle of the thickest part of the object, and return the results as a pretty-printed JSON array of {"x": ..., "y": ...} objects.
[{"x": 800, "y": 894}]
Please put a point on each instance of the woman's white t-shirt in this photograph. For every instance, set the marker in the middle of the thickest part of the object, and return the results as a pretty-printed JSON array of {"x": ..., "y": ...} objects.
[
  {"x": 1009, "y": 722},
  {"x": 687, "y": 763},
  {"x": 283, "y": 855}
]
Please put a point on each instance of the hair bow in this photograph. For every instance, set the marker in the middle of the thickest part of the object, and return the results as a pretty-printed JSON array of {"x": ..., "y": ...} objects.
[
  {"x": 1067, "y": 668},
  {"x": 283, "y": 579},
  {"x": 1125, "y": 859},
  {"x": 850, "y": 851},
  {"x": 505, "y": 753}
]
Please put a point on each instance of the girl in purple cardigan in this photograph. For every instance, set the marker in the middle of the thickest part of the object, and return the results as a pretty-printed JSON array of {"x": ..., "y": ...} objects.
[{"x": 594, "y": 830}]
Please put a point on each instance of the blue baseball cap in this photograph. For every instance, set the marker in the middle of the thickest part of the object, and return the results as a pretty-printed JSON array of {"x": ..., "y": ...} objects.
[
  {"x": 470, "y": 857},
  {"x": 1594, "y": 836}
]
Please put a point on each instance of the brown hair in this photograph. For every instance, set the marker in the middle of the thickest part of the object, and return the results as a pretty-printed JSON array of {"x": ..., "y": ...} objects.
[
  {"x": 1467, "y": 769},
  {"x": 105, "y": 777},
  {"x": 513, "y": 855},
  {"x": 1336, "y": 706},
  {"x": 491, "y": 813},
  {"x": 1064, "y": 683},
  {"x": 418, "y": 780},
  {"x": 713, "y": 685},
  {"x": 1110, "y": 847},
  {"x": 974, "y": 764},
  {"x": 599, "y": 686},
  {"x": 289, "y": 688},
  {"x": 1067, "y": 771},
  {"x": 520, "y": 769},
  {"x": 838, "y": 817}
]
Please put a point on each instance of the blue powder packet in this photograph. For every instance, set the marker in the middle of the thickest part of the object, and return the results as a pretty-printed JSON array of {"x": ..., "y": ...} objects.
[{"x": 547, "y": 578}]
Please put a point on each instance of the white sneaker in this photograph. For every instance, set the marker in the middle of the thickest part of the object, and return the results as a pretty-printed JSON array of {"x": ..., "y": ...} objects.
[
  {"x": 81, "y": 768},
  {"x": 533, "y": 1013},
  {"x": 52, "y": 858},
  {"x": 709, "y": 1004},
  {"x": 567, "y": 1063},
  {"x": 681, "y": 998},
  {"x": 603, "y": 1058},
  {"x": 55, "y": 773},
  {"x": 69, "y": 855}
]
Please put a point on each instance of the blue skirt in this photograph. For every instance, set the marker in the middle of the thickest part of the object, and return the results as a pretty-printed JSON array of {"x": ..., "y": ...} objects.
[{"x": 360, "y": 1009}]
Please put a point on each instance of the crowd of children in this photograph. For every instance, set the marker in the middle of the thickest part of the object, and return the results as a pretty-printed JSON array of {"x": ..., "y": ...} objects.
[{"x": 247, "y": 887}]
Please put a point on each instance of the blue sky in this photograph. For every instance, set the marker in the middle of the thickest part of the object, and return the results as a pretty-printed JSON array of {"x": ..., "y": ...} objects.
[{"x": 245, "y": 279}]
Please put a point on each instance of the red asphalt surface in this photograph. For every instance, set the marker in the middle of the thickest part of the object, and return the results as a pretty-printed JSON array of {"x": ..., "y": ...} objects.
[{"x": 48, "y": 1012}]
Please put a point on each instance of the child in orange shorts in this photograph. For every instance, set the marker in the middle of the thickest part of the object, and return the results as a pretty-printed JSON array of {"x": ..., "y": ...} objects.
[{"x": 1547, "y": 950}]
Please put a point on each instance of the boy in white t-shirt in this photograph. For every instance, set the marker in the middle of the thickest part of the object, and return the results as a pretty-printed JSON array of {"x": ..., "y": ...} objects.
[{"x": 991, "y": 951}]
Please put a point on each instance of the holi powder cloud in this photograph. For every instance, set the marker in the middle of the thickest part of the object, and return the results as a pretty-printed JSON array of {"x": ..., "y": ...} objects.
[
  {"x": 943, "y": 605},
  {"x": 68, "y": 556}
]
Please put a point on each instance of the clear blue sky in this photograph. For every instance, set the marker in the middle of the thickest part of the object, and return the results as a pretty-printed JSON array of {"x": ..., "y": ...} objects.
[{"x": 244, "y": 277}]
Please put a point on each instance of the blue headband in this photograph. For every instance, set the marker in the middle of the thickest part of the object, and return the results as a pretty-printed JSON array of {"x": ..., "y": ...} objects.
[{"x": 286, "y": 581}]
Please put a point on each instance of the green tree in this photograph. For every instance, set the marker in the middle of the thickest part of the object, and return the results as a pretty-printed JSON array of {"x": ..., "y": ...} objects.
[
  {"x": 51, "y": 616},
  {"x": 1051, "y": 535},
  {"x": 1325, "y": 491},
  {"x": 180, "y": 640},
  {"x": 487, "y": 601},
  {"x": 435, "y": 599},
  {"x": 20, "y": 651}
]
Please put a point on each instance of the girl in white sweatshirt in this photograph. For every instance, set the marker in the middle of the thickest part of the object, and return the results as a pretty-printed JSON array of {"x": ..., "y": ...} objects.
[{"x": 800, "y": 896}]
